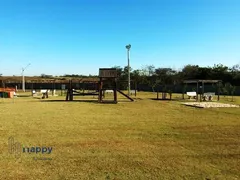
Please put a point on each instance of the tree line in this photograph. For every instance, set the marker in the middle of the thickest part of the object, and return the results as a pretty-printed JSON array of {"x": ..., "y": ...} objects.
[{"x": 154, "y": 76}]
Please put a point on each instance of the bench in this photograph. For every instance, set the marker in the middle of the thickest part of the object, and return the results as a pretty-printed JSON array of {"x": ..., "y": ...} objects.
[
  {"x": 192, "y": 94},
  {"x": 132, "y": 92},
  {"x": 108, "y": 91},
  {"x": 43, "y": 91},
  {"x": 208, "y": 96}
]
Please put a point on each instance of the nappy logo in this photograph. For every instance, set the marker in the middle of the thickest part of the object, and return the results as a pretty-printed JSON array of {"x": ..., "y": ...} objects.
[{"x": 16, "y": 148}]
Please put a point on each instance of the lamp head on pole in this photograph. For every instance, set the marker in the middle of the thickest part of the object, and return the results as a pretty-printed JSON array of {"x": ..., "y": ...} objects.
[
  {"x": 128, "y": 46},
  {"x": 23, "y": 69}
]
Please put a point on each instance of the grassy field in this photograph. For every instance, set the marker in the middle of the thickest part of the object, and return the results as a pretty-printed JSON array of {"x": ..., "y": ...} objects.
[{"x": 145, "y": 139}]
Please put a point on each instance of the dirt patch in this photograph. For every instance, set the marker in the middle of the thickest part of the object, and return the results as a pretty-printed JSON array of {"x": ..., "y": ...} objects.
[{"x": 209, "y": 104}]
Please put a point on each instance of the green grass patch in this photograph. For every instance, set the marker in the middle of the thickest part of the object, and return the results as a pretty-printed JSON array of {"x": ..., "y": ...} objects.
[{"x": 145, "y": 139}]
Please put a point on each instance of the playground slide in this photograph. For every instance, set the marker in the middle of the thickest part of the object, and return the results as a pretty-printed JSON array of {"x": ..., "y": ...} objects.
[{"x": 125, "y": 95}]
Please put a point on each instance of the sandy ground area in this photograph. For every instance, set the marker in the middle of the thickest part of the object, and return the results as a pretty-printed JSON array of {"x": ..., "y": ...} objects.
[{"x": 209, "y": 104}]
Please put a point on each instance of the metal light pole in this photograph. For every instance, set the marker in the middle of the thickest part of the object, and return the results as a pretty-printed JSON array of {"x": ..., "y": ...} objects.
[
  {"x": 23, "y": 79},
  {"x": 129, "y": 83}
]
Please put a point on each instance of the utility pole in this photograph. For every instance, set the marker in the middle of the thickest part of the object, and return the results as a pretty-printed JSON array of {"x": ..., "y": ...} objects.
[
  {"x": 23, "y": 78},
  {"x": 129, "y": 82}
]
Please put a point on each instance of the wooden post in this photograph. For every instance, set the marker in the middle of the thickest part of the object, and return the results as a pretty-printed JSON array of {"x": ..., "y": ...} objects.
[
  {"x": 61, "y": 90},
  {"x": 157, "y": 94},
  {"x": 100, "y": 91},
  {"x": 164, "y": 95},
  {"x": 135, "y": 88},
  {"x": 70, "y": 91},
  {"x": 83, "y": 87},
  {"x": 32, "y": 88},
  {"x": 183, "y": 91},
  {"x": 218, "y": 84},
  {"x": 96, "y": 86},
  {"x": 71, "y": 95},
  {"x": 115, "y": 90},
  {"x": 203, "y": 87},
  {"x": 197, "y": 92},
  {"x": 52, "y": 88},
  {"x": 115, "y": 95},
  {"x": 103, "y": 94},
  {"x": 67, "y": 96},
  {"x": 79, "y": 85},
  {"x": 201, "y": 94}
]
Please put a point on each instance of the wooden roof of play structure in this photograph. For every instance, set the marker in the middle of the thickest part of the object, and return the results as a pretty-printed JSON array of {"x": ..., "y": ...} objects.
[{"x": 28, "y": 79}]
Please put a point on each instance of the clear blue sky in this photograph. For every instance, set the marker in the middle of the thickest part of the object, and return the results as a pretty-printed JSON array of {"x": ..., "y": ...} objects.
[{"x": 79, "y": 36}]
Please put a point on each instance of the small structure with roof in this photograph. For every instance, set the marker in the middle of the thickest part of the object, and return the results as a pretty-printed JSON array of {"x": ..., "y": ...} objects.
[{"x": 204, "y": 96}]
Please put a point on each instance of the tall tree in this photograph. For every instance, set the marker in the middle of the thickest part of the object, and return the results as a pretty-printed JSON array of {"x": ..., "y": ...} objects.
[
  {"x": 235, "y": 73},
  {"x": 190, "y": 72}
]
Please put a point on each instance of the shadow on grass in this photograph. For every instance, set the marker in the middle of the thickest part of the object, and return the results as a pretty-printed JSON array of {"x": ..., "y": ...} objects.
[
  {"x": 137, "y": 98},
  {"x": 155, "y": 99},
  {"x": 87, "y": 101},
  {"x": 24, "y": 96},
  {"x": 61, "y": 100}
]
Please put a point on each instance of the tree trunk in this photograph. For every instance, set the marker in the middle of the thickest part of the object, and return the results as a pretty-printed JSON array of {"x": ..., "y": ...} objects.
[{"x": 153, "y": 89}]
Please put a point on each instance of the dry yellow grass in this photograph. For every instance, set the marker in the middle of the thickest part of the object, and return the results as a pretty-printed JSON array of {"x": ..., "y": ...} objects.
[{"x": 145, "y": 139}]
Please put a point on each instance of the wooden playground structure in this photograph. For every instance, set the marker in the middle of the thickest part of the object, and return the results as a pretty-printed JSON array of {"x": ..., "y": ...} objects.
[{"x": 107, "y": 82}]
